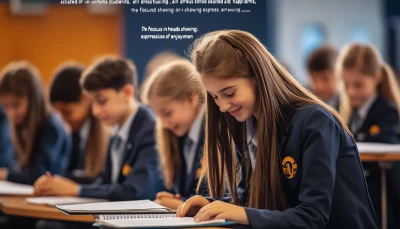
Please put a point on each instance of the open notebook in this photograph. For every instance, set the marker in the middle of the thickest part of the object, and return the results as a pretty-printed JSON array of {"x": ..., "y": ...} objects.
[
  {"x": 117, "y": 207},
  {"x": 9, "y": 188},
  {"x": 58, "y": 200},
  {"x": 154, "y": 221}
]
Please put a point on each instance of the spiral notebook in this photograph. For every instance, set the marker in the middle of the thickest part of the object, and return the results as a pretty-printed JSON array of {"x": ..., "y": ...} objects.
[
  {"x": 153, "y": 221},
  {"x": 116, "y": 207}
]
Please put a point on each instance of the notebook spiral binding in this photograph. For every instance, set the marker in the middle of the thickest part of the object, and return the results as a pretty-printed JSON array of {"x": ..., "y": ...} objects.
[{"x": 136, "y": 216}]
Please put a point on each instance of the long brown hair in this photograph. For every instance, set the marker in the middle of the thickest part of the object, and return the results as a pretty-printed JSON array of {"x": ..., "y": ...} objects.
[
  {"x": 366, "y": 59},
  {"x": 96, "y": 148},
  {"x": 177, "y": 80},
  {"x": 233, "y": 53},
  {"x": 22, "y": 79}
]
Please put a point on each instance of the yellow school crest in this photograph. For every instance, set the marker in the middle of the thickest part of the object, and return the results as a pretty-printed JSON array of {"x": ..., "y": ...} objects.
[
  {"x": 198, "y": 170},
  {"x": 126, "y": 169},
  {"x": 374, "y": 130},
  {"x": 289, "y": 167}
]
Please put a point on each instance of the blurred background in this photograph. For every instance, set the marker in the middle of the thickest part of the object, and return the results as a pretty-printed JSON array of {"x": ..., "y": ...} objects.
[{"x": 47, "y": 33}]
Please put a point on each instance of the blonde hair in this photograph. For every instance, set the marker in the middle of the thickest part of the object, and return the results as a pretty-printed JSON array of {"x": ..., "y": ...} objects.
[
  {"x": 176, "y": 81},
  {"x": 366, "y": 59},
  {"x": 234, "y": 53},
  {"x": 22, "y": 79}
]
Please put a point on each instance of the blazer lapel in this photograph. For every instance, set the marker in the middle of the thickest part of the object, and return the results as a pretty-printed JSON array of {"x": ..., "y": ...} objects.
[{"x": 128, "y": 155}]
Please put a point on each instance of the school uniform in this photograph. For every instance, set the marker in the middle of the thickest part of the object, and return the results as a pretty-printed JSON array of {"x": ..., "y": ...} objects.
[
  {"x": 132, "y": 167},
  {"x": 321, "y": 175},
  {"x": 50, "y": 152},
  {"x": 377, "y": 120},
  {"x": 78, "y": 154},
  {"x": 6, "y": 149},
  {"x": 191, "y": 150}
]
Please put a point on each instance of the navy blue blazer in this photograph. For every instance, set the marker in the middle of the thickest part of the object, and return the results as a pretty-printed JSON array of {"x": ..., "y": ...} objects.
[
  {"x": 51, "y": 149},
  {"x": 139, "y": 177},
  {"x": 321, "y": 176},
  {"x": 6, "y": 149},
  {"x": 186, "y": 184},
  {"x": 381, "y": 123}
]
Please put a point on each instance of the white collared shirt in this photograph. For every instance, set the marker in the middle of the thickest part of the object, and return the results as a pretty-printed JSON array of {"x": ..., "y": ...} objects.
[
  {"x": 251, "y": 137},
  {"x": 117, "y": 150},
  {"x": 189, "y": 152}
]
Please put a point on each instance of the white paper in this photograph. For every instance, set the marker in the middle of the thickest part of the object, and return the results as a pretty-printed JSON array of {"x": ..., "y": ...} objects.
[
  {"x": 9, "y": 188},
  {"x": 154, "y": 222},
  {"x": 369, "y": 147},
  {"x": 113, "y": 206},
  {"x": 53, "y": 201}
]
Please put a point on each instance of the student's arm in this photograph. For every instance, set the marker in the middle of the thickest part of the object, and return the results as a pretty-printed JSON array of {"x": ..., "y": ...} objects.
[
  {"x": 52, "y": 155},
  {"x": 388, "y": 128},
  {"x": 321, "y": 145},
  {"x": 143, "y": 182}
]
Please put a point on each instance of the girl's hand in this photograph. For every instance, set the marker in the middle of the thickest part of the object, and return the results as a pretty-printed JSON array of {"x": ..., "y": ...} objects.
[
  {"x": 192, "y": 206},
  {"x": 222, "y": 210}
]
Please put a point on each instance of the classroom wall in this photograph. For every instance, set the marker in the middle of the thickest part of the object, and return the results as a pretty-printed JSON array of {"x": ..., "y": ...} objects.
[
  {"x": 61, "y": 34},
  {"x": 5, "y": 38},
  {"x": 340, "y": 18},
  {"x": 257, "y": 22}
]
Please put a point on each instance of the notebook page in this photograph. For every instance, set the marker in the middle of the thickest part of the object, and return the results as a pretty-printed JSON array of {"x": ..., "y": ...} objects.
[
  {"x": 154, "y": 222},
  {"x": 9, "y": 188},
  {"x": 52, "y": 201},
  {"x": 113, "y": 206}
]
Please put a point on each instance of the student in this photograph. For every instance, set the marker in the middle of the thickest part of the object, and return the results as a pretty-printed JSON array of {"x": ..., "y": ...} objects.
[
  {"x": 89, "y": 136},
  {"x": 300, "y": 166},
  {"x": 321, "y": 68},
  {"x": 6, "y": 150},
  {"x": 175, "y": 95},
  {"x": 375, "y": 101},
  {"x": 131, "y": 171},
  {"x": 39, "y": 140}
]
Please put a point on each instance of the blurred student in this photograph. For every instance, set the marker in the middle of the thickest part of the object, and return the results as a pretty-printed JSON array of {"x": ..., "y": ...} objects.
[
  {"x": 321, "y": 68},
  {"x": 38, "y": 137},
  {"x": 175, "y": 94},
  {"x": 131, "y": 171},
  {"x": 132, "y": 165},
  {"x": 375, "y": 101},
  {"x": 89, "y": 136}
]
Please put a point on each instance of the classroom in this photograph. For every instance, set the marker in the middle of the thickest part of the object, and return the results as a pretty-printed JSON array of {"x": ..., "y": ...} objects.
[{"x": 275, "y": 114}]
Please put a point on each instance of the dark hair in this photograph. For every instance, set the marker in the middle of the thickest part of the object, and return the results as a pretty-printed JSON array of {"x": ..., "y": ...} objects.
[
  {"x": 323, "y": 58},
  {"x": 65, "y": 86},
  {"x": 109, "y": 72}
]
